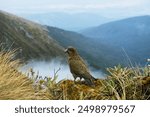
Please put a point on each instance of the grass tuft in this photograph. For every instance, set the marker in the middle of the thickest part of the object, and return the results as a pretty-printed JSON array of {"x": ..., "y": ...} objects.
[{"x": 13, "y": 84}]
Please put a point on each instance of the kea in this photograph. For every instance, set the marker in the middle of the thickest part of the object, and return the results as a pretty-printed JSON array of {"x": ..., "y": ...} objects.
[{"x": 77, "y": 66}]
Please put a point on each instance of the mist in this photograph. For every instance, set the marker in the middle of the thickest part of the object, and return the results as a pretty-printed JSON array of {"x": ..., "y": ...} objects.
[{"x": 48, "y": 69}]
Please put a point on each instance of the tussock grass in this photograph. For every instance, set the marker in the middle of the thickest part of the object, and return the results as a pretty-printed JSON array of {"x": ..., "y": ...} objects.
[
  {"x": 121, "y": 83},
  {"x": 14, "y": 85}
]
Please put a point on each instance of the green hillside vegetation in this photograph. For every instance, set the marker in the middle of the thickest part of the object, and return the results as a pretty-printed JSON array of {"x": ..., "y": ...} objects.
[
  {"x": 120, "y": 84},
  {"x": 31, "y": 39}
]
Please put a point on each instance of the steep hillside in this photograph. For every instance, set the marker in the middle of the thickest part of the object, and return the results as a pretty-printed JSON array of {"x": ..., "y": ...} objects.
[
  {"x": 132, "y": 35},
  {"x": 31, "y": 39},
  {"x": 43, "y": 42},
  {"x": 98, "y": 55}
]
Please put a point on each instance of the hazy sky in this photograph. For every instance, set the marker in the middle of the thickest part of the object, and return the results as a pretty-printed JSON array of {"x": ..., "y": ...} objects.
[{"x": 116, "y": 8}]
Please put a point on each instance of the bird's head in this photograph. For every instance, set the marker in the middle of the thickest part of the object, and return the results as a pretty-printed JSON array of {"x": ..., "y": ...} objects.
[{"x": 71, "y": 51}]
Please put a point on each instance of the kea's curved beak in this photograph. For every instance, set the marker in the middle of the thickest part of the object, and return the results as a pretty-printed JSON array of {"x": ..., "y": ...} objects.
[{"x": 66, "y": 50}]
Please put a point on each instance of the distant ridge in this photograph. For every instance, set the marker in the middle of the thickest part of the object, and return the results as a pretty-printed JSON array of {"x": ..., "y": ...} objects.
[{"x": 131, "y": 35}]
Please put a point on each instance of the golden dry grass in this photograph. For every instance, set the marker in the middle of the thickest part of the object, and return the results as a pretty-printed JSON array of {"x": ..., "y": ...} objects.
[{"x": 14, "y": 85}]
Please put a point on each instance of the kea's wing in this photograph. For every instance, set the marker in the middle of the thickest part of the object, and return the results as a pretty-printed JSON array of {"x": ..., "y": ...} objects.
[{"x": 78, "y": 67}]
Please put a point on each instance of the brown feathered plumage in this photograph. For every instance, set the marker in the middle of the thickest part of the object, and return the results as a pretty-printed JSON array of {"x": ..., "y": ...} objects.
[{"x": 78, "y": 68}]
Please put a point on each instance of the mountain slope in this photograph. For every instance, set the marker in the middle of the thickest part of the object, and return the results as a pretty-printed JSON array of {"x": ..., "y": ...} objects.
[
  {"x": 42, "y": 42},
  {"x": 31, "y": 39},
  {"x": 132, "y": 35}
]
